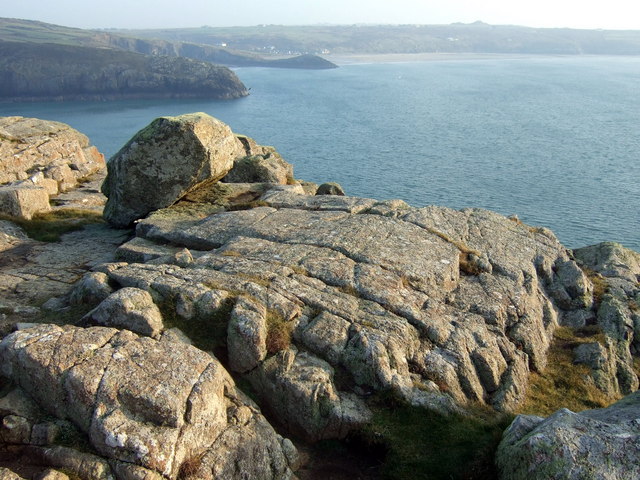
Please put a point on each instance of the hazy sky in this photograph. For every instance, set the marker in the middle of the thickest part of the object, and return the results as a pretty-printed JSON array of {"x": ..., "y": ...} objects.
[{"x": 613, "y": 14}]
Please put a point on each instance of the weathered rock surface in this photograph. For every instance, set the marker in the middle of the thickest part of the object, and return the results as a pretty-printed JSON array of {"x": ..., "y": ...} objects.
[
  {"x": 315, "y": 301},
  {"x": 142, "y": 404},
  {"x": 601, "y": 444},
  {"x": 169, "y": 158},
  {"x": 41, "y": 149},
  {"x": 33, "y": 272},
  {"x": 617, "y": 314},
  {"x": 463, "y": 302}
]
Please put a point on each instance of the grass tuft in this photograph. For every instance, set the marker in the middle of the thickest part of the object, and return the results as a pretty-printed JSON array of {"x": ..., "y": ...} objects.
[
  {"x": 456, "y": 243},
  {"x": 278, "y": 332},
  {"x": 467, "y": 265},
  {"x": 189, "y": 467}
]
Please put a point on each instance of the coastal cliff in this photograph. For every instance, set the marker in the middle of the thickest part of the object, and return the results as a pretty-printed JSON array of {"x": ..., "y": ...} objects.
[
  {"x": 330, "y": 310},
  {"x": 39, "y": 72}
]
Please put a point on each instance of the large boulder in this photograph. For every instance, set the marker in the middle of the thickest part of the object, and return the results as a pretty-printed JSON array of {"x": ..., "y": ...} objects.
[
  {"x": 149, "y": 408},
  {"x": 164, "y": 161},
  {"x": 601, "y": 444}
]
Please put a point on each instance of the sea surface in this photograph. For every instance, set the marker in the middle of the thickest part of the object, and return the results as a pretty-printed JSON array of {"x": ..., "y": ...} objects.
[{"x": 554, "y": 140}]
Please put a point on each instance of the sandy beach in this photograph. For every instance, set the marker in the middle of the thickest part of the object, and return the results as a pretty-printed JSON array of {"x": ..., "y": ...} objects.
[{"x": 353, "y": 59}]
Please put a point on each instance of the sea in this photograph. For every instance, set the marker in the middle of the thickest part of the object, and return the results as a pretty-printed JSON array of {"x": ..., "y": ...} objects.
[{"x": 554, "y": 140}]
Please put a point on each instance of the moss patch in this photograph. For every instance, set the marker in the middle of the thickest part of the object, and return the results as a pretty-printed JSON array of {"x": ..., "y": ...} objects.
[
  {"x": 50, "y": 226},
  {"x": 421, "y": 444}
]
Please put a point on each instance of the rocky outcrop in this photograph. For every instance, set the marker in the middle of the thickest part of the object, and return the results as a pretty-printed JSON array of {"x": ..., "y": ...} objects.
[
  {"x": 602, "y": 444},
  {"x": 38, "y": 159},
  {"x": 148, "y": 408},
  {"x": 313, "y": 302},
  {"x": 174, "y": 156},
  {"x": 463, "y": 302},
  {"x": 47, "y": 154},
  {"x": 616, "y": 272}
]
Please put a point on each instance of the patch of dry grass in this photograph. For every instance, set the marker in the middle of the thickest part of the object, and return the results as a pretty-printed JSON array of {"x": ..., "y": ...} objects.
[{"x": 563, "y": 383}]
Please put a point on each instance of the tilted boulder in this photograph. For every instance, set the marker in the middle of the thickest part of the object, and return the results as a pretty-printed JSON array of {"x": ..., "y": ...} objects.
[
  {"x": 145, "y": 405},
  {"x": 601, "y": 444},
  {"x": 164, "y": 161}
]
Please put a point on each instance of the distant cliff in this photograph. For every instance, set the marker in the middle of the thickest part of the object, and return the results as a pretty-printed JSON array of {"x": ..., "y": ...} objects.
[
  {"x": 16, "y": 30},
  {"x": 30, "y": 71}
]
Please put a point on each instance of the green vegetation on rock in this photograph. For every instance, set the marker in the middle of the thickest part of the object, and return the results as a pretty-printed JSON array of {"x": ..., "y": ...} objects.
[
  {"x": 49, "y": 226},
  {"x": 422, "y": 444}
]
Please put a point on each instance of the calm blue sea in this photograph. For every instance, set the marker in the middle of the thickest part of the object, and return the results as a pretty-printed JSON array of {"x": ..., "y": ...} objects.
[{"x": 555, "y": 140}]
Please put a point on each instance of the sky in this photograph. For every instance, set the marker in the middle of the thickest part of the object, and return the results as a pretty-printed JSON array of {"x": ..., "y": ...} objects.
[{"x": 612, "y": 14}]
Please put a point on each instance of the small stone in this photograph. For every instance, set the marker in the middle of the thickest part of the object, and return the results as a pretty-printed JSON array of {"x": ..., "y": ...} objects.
[
  {"x": 330, "y": 188},
  {"x": 130, "y": 308}
]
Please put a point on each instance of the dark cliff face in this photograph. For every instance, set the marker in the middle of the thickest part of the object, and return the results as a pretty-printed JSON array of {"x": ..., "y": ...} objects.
[{"x": 49, "y": 71}]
